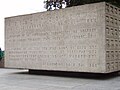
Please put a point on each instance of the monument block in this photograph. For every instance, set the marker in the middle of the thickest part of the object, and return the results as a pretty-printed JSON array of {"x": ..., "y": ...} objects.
[{"x": 83, "y": 38}]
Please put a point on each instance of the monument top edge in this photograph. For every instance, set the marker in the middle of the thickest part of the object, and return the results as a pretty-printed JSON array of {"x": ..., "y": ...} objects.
[{"x": 56, "y": 10}]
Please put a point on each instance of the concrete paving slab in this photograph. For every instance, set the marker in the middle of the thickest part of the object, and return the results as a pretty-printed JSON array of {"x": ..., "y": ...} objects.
[{"x": 15, "y": 79}]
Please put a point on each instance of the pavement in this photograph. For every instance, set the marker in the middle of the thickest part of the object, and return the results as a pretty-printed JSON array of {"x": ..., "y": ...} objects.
[{"x": 15, "y": 79}]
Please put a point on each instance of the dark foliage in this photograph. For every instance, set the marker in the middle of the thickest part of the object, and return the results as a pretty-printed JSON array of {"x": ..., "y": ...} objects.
[
  {"x": 57, "y": 4},
  {"x": 1, "y": 54},
  {"x": 81, "y": 2}
]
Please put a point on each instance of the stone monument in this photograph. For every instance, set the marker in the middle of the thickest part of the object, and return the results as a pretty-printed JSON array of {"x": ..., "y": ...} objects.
[{"x": 83, "y": 38}]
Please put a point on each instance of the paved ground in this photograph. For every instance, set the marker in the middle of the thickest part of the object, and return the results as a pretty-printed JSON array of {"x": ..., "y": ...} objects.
[{"x": 13, "y": 79}]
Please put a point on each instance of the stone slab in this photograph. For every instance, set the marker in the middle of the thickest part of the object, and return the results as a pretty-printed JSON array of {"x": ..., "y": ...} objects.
[{"x": 75, "y": 39}]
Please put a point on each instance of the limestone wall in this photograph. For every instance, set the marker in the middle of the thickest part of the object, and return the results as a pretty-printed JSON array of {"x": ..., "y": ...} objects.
[
  {"x": 71, "y": 39},
  {"x": 112, "y": 38}
]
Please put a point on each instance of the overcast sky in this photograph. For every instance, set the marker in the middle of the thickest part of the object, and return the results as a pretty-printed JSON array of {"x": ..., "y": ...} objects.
[{"x": 17, "y": 7}]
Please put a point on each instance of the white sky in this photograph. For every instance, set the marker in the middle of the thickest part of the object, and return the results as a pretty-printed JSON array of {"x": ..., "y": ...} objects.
[{"x": 17, "y": 7}]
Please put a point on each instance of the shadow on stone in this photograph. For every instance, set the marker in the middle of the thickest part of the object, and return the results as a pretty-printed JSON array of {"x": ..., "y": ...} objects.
[
  {"x": 75, "y": 74},
  {"x": 96, "y": 76}
]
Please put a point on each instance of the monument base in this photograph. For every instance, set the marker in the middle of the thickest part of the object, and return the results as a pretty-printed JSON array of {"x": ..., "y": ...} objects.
[{"x": 73, "y": 74}]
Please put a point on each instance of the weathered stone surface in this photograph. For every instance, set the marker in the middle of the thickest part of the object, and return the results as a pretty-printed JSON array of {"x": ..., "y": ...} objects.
[
  {"x": 82, "y": 38},
  {"x": 1, "y": 63},
  {"x": 112, "y": 37}
]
